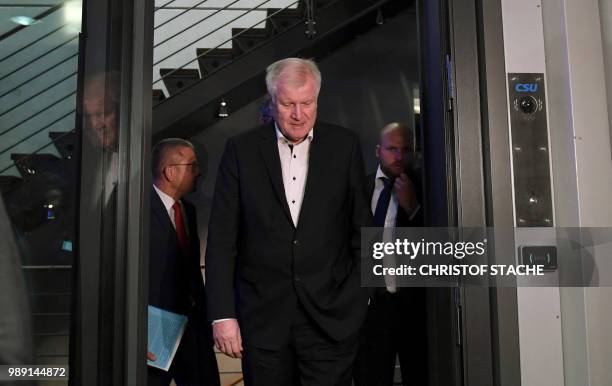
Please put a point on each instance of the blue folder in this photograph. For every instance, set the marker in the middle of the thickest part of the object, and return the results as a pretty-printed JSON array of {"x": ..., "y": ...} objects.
[{"x": 165, "y": 332}]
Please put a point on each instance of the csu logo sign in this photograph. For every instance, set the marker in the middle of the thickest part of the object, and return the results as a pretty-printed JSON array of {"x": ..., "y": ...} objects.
[{"x": 526, "y": 87}]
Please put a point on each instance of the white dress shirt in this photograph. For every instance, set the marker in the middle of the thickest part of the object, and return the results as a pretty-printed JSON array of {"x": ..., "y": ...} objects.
[
  {"x": 379, "y": 185},
  {"x": 294, "y": 164},
  {"x": 390, "y": 221},
  {"x": 168, "y": 203},
  {"x": 391, "y": 216}
]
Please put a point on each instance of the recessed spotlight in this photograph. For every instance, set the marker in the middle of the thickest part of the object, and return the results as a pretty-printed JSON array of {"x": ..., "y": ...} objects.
[
  {"x": 380, "y": 19},
  {"x": 72, "y": 13},
  {"x": 23, "y": 20},
  {"x": 222, "y": 113}
]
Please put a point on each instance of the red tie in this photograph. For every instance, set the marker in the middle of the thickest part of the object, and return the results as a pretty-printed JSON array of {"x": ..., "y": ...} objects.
[{"x": 180, "y": 228}]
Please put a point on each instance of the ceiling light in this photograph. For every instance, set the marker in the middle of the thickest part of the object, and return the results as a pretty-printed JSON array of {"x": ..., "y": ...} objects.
[
  {"x": 223, "y": 109},
  {"x": 416, "y": 105},
  {"x": 380, "y": 19},
  {"x": 23, "y": 20},
  {"x": 73, "y": 11}
]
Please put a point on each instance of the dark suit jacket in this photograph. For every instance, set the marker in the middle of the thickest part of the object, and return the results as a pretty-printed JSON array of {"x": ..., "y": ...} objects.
[
  {"x": 403, "y": 218},
  {"x": 174, "y": 279},
  {"x": 176, "y": 284},
  {"x": 258, "y": 265}
]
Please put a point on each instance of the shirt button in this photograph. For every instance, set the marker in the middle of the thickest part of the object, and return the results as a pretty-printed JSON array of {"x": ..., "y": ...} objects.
[
  {"x": 293, "y": 201},
  {"x": 293, "y": 178},
  {"x": 294, "y": 156},
  {"x": 296, "y": 278},
  {"x": 296, "y": 243}
]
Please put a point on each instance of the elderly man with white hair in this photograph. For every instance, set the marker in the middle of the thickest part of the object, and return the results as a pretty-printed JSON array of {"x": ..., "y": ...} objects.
[{"x": 282, "y": 264}]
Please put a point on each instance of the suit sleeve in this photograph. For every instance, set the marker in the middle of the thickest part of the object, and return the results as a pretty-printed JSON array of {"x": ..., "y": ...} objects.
[{"x": 222, "y": 242}]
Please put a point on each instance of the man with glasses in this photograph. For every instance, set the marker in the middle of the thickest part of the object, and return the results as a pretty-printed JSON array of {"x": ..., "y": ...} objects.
[{"x": 175, "y": 279}]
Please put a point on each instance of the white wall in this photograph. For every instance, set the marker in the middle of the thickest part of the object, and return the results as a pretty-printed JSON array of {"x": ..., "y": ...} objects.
[
  {"x": 578, "y": 65},
  {"x": 25, "y": 75},
  {"x": 212, "y": 29},
  {"x": 605, "y": 13}
]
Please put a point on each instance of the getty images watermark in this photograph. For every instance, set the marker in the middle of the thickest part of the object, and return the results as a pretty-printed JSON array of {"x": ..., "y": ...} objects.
[{"x": 540, "y": 257}]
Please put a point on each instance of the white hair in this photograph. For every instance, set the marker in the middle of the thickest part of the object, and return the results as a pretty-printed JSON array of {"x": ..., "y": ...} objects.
[{"x": 298, "y": 67}]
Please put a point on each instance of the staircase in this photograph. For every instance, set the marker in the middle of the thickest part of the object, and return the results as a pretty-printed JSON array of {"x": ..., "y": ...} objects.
[
  {"x": 38, "y": 80},
  {"x": 233, "y": 69},
  {"x": 205, "y": 51}
]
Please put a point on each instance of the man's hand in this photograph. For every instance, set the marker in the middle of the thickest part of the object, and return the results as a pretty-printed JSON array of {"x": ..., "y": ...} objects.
[
  {"x": 406, "y": 196},
  {"x": 227, "y": 337},
  {"x": 151, "y": 356}
]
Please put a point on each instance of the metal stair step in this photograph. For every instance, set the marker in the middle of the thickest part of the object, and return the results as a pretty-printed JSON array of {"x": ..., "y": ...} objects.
[
  {"x": 282, "y": 20},
  {"x": 242, "y": 81},
  {"x": 212, "y": 59},
  {"x": 176, "y": 80},
  {"x": 31, "y": 164},
  {"x": 158, "y": 96},
  {"x": 8, "y": 183},
  {"x": 65, "y": 142},
  {"x": 322, "y": 3},
  {"x": 246, "y": 39}
]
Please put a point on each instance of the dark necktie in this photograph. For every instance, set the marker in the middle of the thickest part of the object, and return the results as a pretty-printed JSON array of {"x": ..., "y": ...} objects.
[
  {"x": 180, "y": 228},
  {"x": 383, "y": 203}
]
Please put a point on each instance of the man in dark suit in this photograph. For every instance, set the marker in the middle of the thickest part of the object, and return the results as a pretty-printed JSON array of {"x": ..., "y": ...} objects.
[
  {"x": 396, "y": 319},
  {"x": 283, "y": 252},
  {"x": 175, "y": 278}
]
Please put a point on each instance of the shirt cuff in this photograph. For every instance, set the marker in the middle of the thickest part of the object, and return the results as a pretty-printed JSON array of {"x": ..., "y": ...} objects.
[{"x": 221, "y": 320}]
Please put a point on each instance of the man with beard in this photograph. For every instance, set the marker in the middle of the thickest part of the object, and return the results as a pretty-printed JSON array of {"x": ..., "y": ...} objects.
[
  {"x": 396, "y": 319},
  {"x": 175, "y": 278}
]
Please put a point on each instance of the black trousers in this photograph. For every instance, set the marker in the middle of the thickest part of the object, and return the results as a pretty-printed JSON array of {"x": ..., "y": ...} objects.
[
  {"x": 396, "y": 325},
  {"x": 309, "y": 358},
  {"x": 194, "y": 364}
]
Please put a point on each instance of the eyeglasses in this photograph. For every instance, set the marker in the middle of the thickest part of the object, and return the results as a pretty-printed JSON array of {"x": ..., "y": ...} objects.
[{"x": 194, "y": 165}]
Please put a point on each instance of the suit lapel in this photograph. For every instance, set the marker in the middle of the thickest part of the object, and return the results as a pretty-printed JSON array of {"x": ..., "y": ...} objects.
[
  {"x": 269, "y": 151},
  {"x": 160, "y": 212},
  {"x": 315, "y": 180}
]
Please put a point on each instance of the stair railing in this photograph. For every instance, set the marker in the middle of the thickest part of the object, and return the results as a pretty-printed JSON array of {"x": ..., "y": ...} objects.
[
  {"x": 24, "y": 47},
  {"x": 6, "y": 149},
  {"x": 40, "y": 74},
  {"x": 39, "y": 93},
  {"x": 36, "y": 151},
  {"x": 37, "y": 113},
  {"x": 46, "y": 69},
  {"x": 256, "y": 8}
]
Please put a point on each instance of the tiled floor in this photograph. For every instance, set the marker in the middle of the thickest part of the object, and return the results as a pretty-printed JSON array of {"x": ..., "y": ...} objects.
[{"x": 230, "y": 370}]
